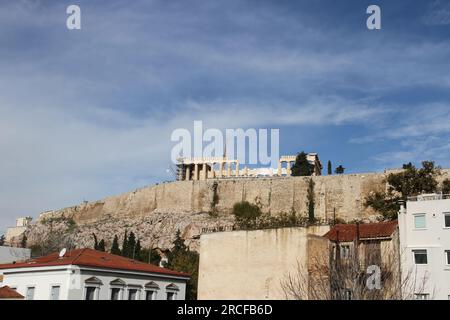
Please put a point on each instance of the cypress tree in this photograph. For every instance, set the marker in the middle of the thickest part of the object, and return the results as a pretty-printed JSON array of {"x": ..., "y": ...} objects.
[
  {"x": 115, "y": 246},
  {"x": 125, "y": 244},
  {"x": 95, "y": 242},
  {"x": 137, "y": 251},
  {"x": 101, "y": 245},
  {"x": 131, "y": 245},
  {"x": 330, "y": 168}
]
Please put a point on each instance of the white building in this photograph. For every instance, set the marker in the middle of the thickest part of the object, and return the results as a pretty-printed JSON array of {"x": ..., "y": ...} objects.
[
  {"x": 425, "y": 245},
  {"x": 86, "y": 274}
]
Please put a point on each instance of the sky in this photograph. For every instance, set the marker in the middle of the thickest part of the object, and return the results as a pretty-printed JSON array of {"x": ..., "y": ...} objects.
[{"x": 88, "y": 113}]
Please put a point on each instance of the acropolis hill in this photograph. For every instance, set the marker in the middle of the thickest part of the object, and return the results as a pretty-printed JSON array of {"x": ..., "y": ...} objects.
[{"x": 156, "y": 212}]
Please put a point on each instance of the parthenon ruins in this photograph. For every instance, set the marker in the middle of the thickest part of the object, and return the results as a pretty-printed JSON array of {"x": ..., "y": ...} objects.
[{"x": 222, "y": 167}]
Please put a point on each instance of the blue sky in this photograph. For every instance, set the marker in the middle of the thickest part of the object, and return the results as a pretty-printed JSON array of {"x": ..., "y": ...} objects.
[{"x": 85, "y": 114}]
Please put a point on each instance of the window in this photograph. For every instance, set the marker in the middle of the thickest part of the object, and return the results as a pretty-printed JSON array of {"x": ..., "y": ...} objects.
[
  {"x": 171, "y": 291},
  {"x": 447, "y": 220},
  {"x": 447, "y": 256},
  {"x": 92, "y": 286},
  {"x": 30, "y": 293},
  {"x": 345, "y": 252},
  {"x": 420, "y": 256},
  {"x": 419, "y": 221},
  {"x": 150, "y": 295},
  {"x": 422, "y": 296},
  {"x": 90, "y": 293},
  {"x": 170, "y": 295},
  {"x": 132, "y": 294},
  {"x": 115, "y": 293},
  {"x": 54, "y": 293}
]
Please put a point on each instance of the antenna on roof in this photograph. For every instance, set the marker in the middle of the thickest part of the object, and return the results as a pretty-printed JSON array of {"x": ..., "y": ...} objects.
[{"x": 62, "y": 252}]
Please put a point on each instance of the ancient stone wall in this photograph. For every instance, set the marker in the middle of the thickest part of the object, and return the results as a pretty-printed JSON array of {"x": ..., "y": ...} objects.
[{"x": 184, "y": 205}]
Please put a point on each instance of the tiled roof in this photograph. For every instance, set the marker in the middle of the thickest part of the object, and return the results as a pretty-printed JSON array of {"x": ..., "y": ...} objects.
[
  {"x": 92, "y": 258},
  {"x": 348, "y": 232},
  {"x": 8, "y": 293}
]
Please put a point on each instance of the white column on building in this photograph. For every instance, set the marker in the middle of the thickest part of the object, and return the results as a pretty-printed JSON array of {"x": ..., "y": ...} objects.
[
  {"x": 228, "y": 169},
  {"x": 279, "y": 168}
]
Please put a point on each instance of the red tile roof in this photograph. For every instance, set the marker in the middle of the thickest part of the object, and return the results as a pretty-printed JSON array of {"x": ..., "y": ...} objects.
[
  {"x": 348, "y": 232},
  {"x": 92, "y": 258},
  {"x": 8, "y": 293}
]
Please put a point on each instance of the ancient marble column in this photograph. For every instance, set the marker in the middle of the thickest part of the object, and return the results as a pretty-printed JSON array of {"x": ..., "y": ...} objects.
[
  {"x": 288, "y": 168},
  {"x": 237, "y": 169},
  {"x": 228, "y": 169},
  {"x": 188, "y": 173},
  {"x": 195, "y": 171},
  {"x": 205, "y": 171},
  {"x": 279, "y": 168}
]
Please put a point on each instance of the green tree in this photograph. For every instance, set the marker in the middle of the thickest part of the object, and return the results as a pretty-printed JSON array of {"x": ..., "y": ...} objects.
[
  {"x": 184, "y": 260},
  {"x": 446, "y": 186},
  {"x": 330, "y": 168},
  {"x": 2, "y": 240},
  {"x": 138, "y": 251},
  {"x": 115, "y": 246},
  {"x": 407, "y": 183},
  {"x": 23, "y": 243},
  {"x": 131, "y": 245},
  {"x": 95, "y": 242},
  {"x": 302, "y": 167},
  {"x": 150, "y": 256},
  {"x": 101, "y": 245},
  {"x": 125, "y": 246},
  {"x": 339, "y": 170},
  {"x": 246, "y": 214},
  {"x": 311, "y": 201}
]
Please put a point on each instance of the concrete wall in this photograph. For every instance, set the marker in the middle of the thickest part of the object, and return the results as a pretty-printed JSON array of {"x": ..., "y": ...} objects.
[
  {"x": 251, "y": 264},
  {"x": 11, "y": 254}
]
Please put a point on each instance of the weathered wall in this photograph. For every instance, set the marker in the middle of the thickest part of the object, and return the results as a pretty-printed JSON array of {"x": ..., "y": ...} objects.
[
  {"x": 343, "y": 193},
  {"x": 157, "y": 212},
  {"x": 251, "y": 264}
]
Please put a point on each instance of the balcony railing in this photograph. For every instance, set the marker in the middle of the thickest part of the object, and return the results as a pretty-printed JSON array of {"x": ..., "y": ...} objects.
[{"x": 429, "y": 196}]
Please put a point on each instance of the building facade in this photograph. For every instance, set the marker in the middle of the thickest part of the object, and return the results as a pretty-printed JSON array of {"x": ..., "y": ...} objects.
[
  {"x": 86, "y": 274},
  {"x": 425, "y": 245},
  {"x": 357, "y": 251}
]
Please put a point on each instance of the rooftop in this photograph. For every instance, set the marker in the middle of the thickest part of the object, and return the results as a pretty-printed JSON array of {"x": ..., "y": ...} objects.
[
  {"x": 348, "y": 232},
  {"x": 92, "y": 258},
  {"x": 8, "y": 293}
]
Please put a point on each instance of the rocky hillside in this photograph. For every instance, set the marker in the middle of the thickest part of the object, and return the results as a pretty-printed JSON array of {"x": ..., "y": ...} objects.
[{"x": 156, "y": 212}]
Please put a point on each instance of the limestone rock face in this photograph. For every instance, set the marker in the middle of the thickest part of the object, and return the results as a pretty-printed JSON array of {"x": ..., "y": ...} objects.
[{"x": 156, "y": 212}]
